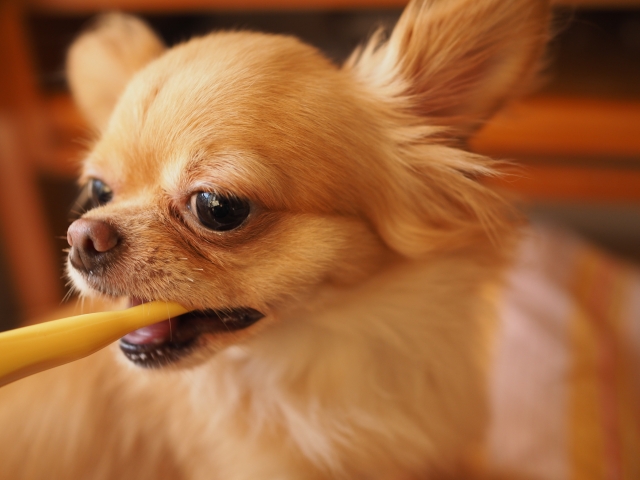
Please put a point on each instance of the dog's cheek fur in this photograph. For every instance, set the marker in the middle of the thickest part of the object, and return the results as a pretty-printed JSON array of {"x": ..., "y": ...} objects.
[{"x": 160, "y": 258}]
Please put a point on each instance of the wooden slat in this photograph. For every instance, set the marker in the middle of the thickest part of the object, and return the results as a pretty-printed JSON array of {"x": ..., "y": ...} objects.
[
  {"x": 88, "y": 6},
  {"x": 70, "y": 137},
  {"x": 536, "y": 127},
  {"x": 537, "y": 181},
  {"x": 539, "y": 126},
  {"x": 22, "y": 223},
  {"x": 23, "y": 137},
  {"x": 598, "y": 3},
  {"x": 563, "y": 126},
  {"x": 551, "y": 127},
  {"x": 575, "y": 183},
  {"x": 19, "y": 94}
]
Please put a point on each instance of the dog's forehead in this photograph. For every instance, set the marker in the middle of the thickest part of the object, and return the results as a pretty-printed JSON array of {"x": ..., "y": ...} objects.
[{"x": 261, "y": 101}]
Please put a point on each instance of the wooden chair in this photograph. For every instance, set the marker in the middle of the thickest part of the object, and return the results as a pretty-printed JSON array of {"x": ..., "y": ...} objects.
[
  {"x": 23, "y": 145},
  {"x": 550, "y": 135}
]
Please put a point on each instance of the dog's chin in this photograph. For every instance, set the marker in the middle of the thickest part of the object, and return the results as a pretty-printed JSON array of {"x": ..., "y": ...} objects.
[{"x": 173, "y": 340}]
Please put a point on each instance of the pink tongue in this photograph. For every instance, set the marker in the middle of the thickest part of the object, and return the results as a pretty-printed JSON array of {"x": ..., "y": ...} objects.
[{"x": 153, "y": 334}]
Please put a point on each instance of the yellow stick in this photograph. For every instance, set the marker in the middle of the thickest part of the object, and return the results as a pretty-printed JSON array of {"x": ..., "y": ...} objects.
[{"x": 29, "y": 350}]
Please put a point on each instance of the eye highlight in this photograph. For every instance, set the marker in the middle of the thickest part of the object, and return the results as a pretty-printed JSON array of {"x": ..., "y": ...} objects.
[
  {"x": 99, "y": 192},
  {"x": 219, "y": 213}
]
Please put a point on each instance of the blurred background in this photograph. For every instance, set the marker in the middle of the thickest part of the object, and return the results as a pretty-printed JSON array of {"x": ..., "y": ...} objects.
[{"x": 577, "y": 136}]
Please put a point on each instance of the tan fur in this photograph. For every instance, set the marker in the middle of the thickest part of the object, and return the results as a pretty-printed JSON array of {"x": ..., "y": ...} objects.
[{"x": 369, "y": 251}]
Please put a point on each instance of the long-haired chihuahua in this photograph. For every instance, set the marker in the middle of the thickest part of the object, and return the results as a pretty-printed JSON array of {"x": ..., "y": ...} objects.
[{"x": 325, "y": 224}]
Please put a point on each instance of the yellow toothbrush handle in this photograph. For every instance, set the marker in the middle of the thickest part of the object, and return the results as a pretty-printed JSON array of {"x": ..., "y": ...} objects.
[{"x": 29, "y": 350}]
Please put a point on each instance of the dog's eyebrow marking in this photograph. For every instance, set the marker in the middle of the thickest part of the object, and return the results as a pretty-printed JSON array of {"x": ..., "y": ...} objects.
[{"x": 241, "y": 172}]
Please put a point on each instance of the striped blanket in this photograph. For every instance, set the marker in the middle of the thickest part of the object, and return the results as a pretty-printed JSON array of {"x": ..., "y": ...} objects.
[{"x": 566, "y": 377}]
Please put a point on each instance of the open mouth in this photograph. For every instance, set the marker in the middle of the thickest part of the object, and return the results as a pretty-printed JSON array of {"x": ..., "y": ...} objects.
[{"x": 168, "y": 341}]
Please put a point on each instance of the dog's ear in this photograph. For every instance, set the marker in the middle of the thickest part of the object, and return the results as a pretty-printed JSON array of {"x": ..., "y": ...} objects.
[
  {"x": 455, "y": 62},
  {"x": 446, "y": 67},
  {"x": 104, "y": 58}
]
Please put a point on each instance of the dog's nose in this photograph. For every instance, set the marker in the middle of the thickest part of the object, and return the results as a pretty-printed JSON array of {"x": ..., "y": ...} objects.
[{"x": 91, "y": 241}]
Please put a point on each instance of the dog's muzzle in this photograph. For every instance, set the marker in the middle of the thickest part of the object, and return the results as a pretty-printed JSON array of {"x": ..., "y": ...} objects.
[
  {"x": 94, "y": 246},
  {"x": 93, "y": 243}
]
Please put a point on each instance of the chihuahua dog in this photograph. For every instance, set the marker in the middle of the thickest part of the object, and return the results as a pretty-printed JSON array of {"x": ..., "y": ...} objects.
[{"x": 326, "y": 228}]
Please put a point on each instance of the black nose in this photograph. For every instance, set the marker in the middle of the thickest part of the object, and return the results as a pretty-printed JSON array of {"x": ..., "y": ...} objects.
[{"x": 92, "y": 243}]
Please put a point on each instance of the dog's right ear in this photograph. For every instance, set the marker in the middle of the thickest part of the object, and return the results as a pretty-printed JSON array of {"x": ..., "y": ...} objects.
[
  {"x": 103, "y": 59},
  {"x": 447, "y": 66}
]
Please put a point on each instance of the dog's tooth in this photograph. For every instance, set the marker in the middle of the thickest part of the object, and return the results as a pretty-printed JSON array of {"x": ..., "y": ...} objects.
[{"x": 143, "y": 356}]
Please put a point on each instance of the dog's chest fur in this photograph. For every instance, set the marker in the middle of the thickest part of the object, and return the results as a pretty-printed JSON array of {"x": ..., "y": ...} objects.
[{"x": 335, "y": 380}]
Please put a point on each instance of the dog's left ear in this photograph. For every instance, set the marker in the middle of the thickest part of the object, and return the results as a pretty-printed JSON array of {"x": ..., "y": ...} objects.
[
  {"x": 447, "y": 66},
  {"x": 103, "y": 59}
]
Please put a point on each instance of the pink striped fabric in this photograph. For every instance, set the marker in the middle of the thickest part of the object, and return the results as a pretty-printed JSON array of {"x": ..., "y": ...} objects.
[{"x": 566, "y": 376}]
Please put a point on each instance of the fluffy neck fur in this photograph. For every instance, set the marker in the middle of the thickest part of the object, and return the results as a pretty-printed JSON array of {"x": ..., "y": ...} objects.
[{"x": 398, "y": 359}]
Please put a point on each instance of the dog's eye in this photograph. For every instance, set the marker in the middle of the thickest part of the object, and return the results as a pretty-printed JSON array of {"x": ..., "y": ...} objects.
[
  {"x": 218, "y": 212},
  {"x": 100, "y": 192},
  {"x": 94, "y": 194}
]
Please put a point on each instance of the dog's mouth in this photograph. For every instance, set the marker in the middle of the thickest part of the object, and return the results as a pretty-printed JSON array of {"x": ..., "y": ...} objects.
[{"x": 166, "y": 342}]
